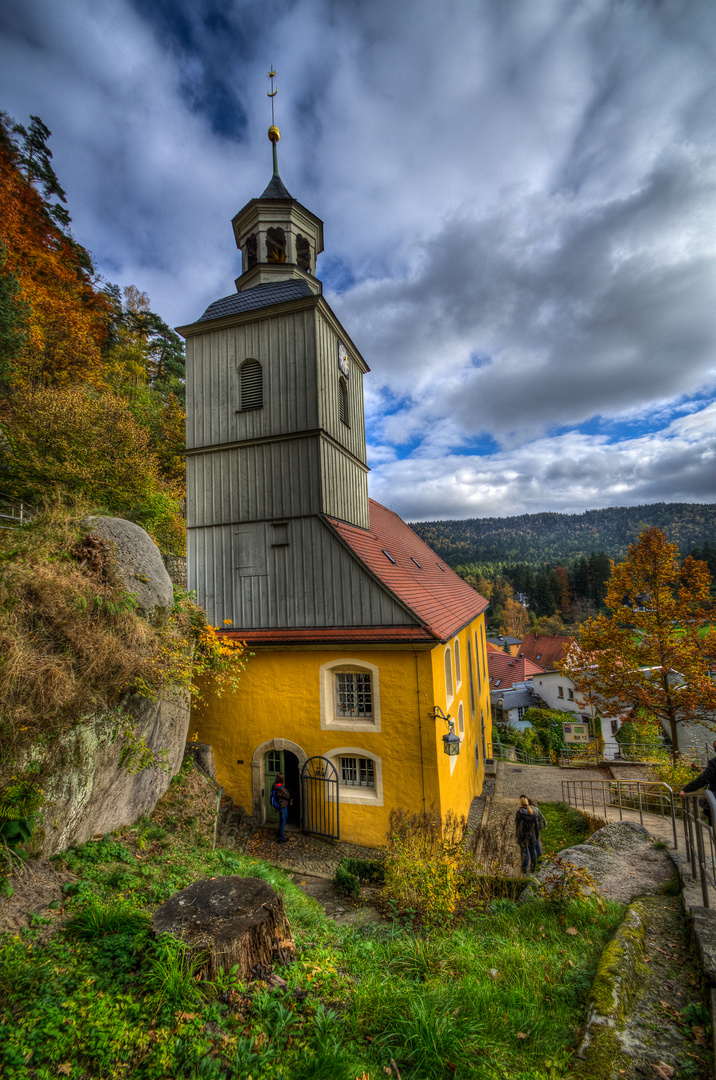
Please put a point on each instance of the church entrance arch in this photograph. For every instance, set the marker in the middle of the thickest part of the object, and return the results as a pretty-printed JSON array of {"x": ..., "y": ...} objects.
[
  {"x": 269, "y": 759},
  {"x": 286, "y": 762}
]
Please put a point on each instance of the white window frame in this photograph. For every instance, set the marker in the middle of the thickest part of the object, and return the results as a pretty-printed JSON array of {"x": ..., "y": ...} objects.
[
  {"x": 449, "y": 678},
  {"x": 358, "y": 795},
  {"x": 330, "y": 721}
]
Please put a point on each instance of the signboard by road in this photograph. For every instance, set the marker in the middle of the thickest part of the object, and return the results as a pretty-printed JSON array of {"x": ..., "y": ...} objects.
[{"x": 575, "y": 733}]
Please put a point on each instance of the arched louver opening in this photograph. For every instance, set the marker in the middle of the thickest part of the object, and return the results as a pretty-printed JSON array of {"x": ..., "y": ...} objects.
[
  {"x": 252, "y": 385},
  {"x": 343, "y": 401}
]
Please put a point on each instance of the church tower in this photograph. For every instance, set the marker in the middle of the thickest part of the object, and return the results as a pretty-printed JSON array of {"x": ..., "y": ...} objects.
[{"x": 275, "y": 429}]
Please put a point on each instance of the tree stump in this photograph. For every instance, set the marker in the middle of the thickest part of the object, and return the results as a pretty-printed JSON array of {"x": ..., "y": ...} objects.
[{"x": 228, "y": 921}]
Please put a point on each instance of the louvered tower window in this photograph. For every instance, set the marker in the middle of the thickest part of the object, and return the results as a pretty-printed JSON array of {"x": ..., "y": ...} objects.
[
  {"x": 252, "y": 385},
  {"x": 343, "y": 401}
]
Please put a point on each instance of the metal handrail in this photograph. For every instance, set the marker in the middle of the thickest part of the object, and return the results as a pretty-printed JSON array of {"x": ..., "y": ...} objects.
[
  {"x": 495, "y": 750},
  {"x": 696, "y": 852},
  {"x": 582, "y": 751},
  {"x": 14, "y": 513},
  {"x": 595, "y": 793}
]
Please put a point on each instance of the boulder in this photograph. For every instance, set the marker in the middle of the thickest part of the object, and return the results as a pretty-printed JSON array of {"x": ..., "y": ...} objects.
[
  {"x": 227, "y": 922},
  {"x": 87, "y": 793},
  {"x": 621, "y": 858},
  {"x": 137, "y": 563}
]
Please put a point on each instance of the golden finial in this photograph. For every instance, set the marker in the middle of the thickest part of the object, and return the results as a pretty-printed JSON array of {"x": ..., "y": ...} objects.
[{"x": 273, "y": 133}]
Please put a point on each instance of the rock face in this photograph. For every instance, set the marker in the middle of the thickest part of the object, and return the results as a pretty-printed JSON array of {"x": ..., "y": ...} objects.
[
  {"x": 621, "y": 858},
  {"x": 137, "y": 562},
  {"x": 228, "y": 921},
  {"x": 88, "y": 793}
]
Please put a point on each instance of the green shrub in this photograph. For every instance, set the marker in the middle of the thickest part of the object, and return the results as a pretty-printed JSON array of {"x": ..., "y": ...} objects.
[{"x": 345, "y": 882}]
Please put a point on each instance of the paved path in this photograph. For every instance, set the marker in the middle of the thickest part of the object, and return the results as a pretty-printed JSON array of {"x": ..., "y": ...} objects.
[{"x": 544, "y": 784}]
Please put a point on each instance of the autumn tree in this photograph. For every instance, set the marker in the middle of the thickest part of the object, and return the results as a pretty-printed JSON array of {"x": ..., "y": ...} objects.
[
  {"x": 515, "y": 620},
  {"x": 78, "y": 443},
  {"x": 66, "y": 315},
  {"x": 652, "y": 653}
]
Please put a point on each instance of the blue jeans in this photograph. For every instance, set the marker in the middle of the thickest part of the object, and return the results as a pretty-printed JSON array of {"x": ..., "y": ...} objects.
[
  {"x": 529, "y": 855},
  {"x": 282, "y": 818}
]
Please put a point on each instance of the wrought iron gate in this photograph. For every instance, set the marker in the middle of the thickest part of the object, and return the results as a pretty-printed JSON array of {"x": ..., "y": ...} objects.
[{"x": 319, "y": 798}]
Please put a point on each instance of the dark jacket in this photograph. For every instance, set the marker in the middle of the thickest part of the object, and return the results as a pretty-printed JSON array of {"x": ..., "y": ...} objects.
[
  {"x": 541, "y": 823},
  {"x": 283, "y": 795},
  {"x": 526, "y": 827},
  {"x": 706, "y": 779}
]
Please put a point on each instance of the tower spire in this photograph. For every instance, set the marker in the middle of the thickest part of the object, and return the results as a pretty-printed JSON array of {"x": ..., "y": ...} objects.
[{"x": 273, "y": 133}]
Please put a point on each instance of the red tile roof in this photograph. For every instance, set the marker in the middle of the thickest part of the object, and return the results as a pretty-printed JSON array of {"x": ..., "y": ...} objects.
[
  {"x": 304, "y": 635},
  {"x": 509, "y": 669},
  {"x": 543, "y": 649},
  {"x": 441, "y": 601}
]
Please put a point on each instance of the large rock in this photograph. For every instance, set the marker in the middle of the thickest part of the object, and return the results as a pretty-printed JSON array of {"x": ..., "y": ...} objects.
[
  {"x": 137, "y": 562},
  {"x": 621, "y": 858},
  {"x": 87, "y": 792}
]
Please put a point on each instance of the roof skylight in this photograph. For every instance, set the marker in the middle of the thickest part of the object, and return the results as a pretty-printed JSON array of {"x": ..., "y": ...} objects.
[{"x": 389, "y": 556}]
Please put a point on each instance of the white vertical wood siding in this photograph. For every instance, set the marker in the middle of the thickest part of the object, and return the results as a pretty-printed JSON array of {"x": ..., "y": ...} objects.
[
  {"x": 353, "y": 436},
  {"x": 249, "y": 483},
  {"x": 345, "y": 486},
  {"x": 311, "y": 581},
  {"x": 284, "y": 345}
]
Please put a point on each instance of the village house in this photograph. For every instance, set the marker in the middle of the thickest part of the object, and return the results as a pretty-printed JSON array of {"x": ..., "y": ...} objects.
[{"x": 368, "y": 683}]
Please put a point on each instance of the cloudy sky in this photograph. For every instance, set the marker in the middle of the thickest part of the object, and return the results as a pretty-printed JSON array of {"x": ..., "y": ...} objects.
[{"x": 518, "y": 200}]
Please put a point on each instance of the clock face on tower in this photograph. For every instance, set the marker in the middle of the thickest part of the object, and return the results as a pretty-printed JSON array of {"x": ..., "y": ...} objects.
[{"x": 343, "y": 359}]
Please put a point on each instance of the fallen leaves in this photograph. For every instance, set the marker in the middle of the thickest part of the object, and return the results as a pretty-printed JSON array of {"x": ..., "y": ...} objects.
[
  {"x": 571, "y": 930},
  {"x": 522, "y": 1035},
  {"x": 65, "y": 1069},
  {"x": 663, "y": 1071}
]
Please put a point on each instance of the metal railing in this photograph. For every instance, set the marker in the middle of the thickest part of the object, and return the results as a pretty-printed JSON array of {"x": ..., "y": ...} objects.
[
  {"x": 581, "y": 754},
  {"x": 699, "y": 839},
  {"x": 508, "y": 752},
  {"x": 14, "y": 513},
  {"x": 645, "y": 796}
]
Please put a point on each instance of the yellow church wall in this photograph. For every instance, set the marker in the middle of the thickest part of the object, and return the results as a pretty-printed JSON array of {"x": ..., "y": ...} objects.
[
  {"x": 278, "y": 706},
  {"x": 461, "y": 778},
  {"x": 279, "y": 699}
]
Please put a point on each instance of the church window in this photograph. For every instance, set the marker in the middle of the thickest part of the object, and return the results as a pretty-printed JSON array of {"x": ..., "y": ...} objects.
[
  {"x": 303, "y": 253},
  {"x": 353, "y": 694},
  {"x": 449, "y": 692},
  {"x": 343, "y": 401},
  {"x": 461, "y": 721},
  {"x": 275, "y": 245},
  {"x": 458, "y": 665},
  {"x": 349, "y": 695},
  {"x": 252, "y": 385},
  {"x": 357, "y": 772},
  {"x": 471, "y": 678},
  {"x": 252, "y": 251}
]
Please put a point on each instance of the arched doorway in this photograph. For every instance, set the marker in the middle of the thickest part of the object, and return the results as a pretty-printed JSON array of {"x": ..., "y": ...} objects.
[
  {"x": 289, "y": 759},
  {"x": 286, "y": 762}
]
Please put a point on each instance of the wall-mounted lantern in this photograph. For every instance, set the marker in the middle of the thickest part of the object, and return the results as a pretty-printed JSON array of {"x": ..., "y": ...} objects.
[{"x": 451, "y": 741}]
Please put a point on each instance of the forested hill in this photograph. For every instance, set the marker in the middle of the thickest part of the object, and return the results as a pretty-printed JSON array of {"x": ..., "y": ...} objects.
[{"x": 536, "y": 539}]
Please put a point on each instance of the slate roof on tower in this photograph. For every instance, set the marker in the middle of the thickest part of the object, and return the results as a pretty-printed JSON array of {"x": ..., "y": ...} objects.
[
  {"x": 408, "y": 568},
  {"x": 276, "y": 189},
  {"x": 272, "y": 292}
]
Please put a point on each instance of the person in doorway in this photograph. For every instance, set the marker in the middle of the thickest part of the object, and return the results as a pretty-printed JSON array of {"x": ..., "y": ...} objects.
[
  {"x": 706, "y": 779},
  {"x": 541, "y": 823},
  {"x": 527, "y": 834},
  {"x": 281, "y": 799}
]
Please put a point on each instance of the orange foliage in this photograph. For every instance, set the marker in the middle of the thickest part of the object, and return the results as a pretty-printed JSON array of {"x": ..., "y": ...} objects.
[{"x": 68, "y": 317}]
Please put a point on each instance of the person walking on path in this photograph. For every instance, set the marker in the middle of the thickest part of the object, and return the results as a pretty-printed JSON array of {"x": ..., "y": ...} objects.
[
  {"x": 706, "y": 779},
  {"x": 281, "y": 799},
  {"x": 541, "y": 823},
  {"x": 527, "y": 834}
]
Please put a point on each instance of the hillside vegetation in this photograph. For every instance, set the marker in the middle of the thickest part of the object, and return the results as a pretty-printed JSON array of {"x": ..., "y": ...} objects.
[
  {"x": 553, "y": 539},
  {"x": 91, "y": 380}
]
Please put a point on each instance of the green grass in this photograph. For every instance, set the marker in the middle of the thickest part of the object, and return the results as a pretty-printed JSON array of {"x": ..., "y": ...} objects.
[
  {"x": 502, "y": 997},
  {"x": 565, "y": 827}
]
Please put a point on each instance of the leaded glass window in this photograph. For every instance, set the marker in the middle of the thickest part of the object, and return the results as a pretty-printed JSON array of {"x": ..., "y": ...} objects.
[
  {"x": 354, "y": 694},
  {"x": 357, "y": 772}
]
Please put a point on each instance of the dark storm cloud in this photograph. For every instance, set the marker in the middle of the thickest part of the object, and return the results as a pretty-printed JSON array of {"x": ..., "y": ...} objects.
[{"x": 518, "y": 202}]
